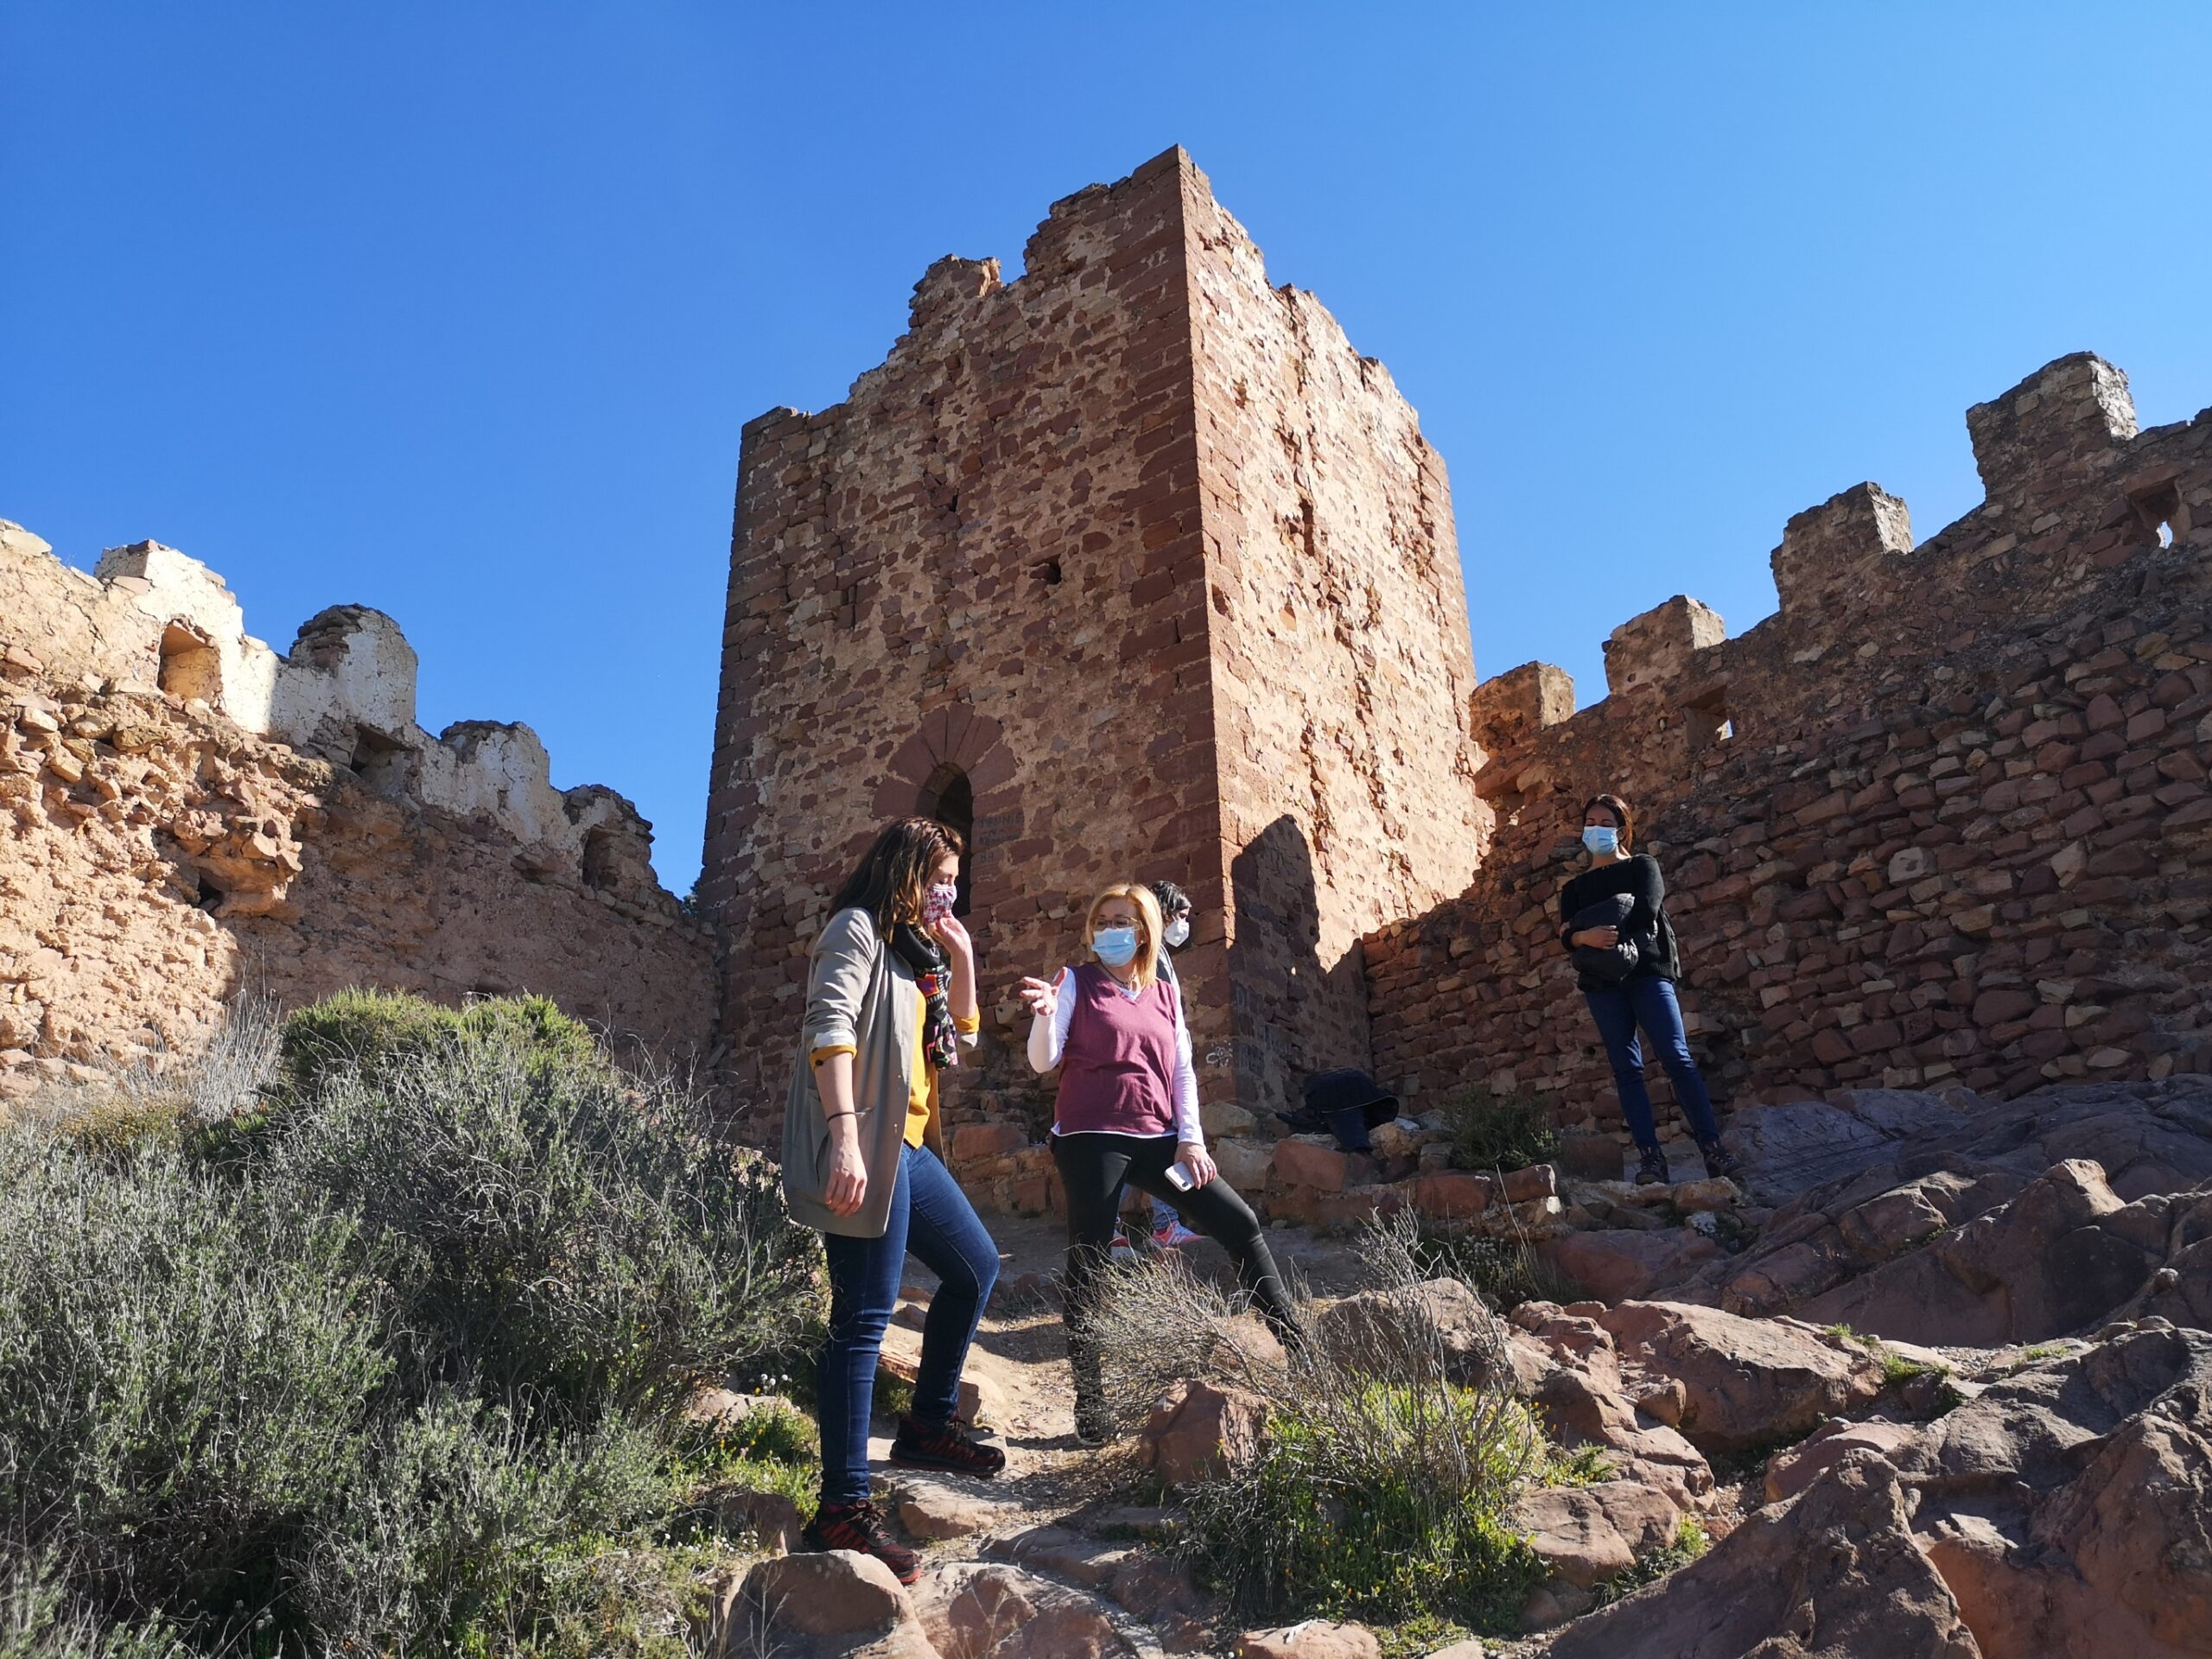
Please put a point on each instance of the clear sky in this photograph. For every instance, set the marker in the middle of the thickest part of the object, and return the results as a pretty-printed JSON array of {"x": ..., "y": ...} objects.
[{"x": 456, "y": 309}]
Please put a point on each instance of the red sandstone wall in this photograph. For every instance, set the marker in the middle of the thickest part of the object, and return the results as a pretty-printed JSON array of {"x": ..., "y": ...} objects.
[
  {"x": 1961, "y": 832},
  {"x": 1341, "y": 660},
  {"x": 1147, "y": 550},
  {"x": 986, "y": 558}
]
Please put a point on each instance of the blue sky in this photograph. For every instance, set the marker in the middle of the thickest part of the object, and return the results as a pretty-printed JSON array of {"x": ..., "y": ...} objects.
[{"x": 456, "y": 309}]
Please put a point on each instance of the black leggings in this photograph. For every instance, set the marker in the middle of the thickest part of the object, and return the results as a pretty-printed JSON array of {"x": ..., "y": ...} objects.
[{"x": 1094, "y": 1168}]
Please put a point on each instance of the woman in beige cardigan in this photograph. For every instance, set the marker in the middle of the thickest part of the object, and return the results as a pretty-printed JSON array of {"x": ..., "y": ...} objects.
[{"x": 890, "y": 1001}]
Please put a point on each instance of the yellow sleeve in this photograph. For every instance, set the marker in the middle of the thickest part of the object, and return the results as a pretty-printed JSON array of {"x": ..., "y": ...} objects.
[
  {"x": 970, "y": 1026},
  {"x": 821, "y": 1054}
]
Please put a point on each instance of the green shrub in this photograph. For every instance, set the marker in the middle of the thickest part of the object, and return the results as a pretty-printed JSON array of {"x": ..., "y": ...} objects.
[
  {"x": 186, "y": 1367},
  {"x": 1493, "y": 1131},
  {"x": 551, "y": 1232},
  {"x": 466, "y": 1526},
  {"x": 1380, "y": 1487},
  {"x": 387, "y": 1369},
  {"x": 1688, "y": 1543},
  {"x": 1381, "y": 1505},
  {"x": 363, "y": 1032},
  {"x": 40, "y": 1619},
  {"x": 1505, "y": 1272}
]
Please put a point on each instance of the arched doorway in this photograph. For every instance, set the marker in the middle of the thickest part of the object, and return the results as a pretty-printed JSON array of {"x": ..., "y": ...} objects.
[{"x": 950, "y": 798}]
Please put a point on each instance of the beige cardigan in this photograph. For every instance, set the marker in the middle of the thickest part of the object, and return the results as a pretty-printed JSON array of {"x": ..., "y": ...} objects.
[{"x": 858, "y": 993}]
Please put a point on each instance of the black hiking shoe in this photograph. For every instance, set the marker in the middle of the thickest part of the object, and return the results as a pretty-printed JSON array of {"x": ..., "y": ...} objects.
[
  {"x": 920, "y": 1447},
  {"x": 859, "y": 1528},
  {"x": 1652, "y": 1171},
  {"x": 1718, "y": 1160}
]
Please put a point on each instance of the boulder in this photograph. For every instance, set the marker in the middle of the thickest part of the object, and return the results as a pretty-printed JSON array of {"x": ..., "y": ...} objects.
[
  {"x": 931, "y": 1506},
  {"x": 1197, "y": 1430},
  {"x": 1586, "y": 1534},
  {"x": 770, "y": 1517},
  {"x": 1442, "y": 1319},
  {"x": 2058, "y": 1256},
  {"x": 1834, "y": 1573},
  {"x": 1745, "y": 1382},
  {"x": 1316, "y": 1638},
  {"x": 976, "y": 1610},
  {"x": 1616, "y": 1264},
  {"x": 1310, "y": 1160},
  {"x": 1582, "y": 1401},
  {"x": 1793, "y": 1468},
  {"x": 835, "y": 1604},
  {"x": 1789, "y": 1146},
  {"x": 2070, "y": 1508}
]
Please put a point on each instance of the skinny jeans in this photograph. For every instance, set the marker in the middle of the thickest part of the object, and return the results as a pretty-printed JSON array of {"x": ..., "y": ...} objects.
[
  {"x": 932, "y": 1217},
  {"x": 1649, "y": 1002},
  {"x": 1093, "y": 1168}
]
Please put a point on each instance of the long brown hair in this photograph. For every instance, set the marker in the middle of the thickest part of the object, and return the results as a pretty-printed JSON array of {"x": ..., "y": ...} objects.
[
  {"x": 888, "y": 883},
  {"x": 1622, "y": 816}
]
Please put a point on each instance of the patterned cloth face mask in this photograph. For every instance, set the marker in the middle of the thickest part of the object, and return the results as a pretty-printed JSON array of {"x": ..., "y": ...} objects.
[{"x": 937, "y": 902}]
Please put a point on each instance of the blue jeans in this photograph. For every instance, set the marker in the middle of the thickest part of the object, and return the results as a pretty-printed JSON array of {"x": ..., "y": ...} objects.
[
  {"x": 1649, "y": 1002},
  {"x": 932, "y": 1217}
]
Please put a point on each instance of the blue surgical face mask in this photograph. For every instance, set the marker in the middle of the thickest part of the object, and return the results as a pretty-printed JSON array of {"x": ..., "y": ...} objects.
[
  {"x": 1114, "y": 946},
  {"x": 1601, "y": 839}
]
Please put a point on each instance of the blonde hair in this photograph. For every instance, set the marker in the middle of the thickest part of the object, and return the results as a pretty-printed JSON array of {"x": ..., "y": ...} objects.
[{"x": 1149, "y": 927}]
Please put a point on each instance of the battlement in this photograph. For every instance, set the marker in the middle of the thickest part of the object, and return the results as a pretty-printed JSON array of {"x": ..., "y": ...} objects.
[
  {"x": 185, "y": 813},
  {"x": 1941, "y": 818},
  {"x": 154, "y": 619}
]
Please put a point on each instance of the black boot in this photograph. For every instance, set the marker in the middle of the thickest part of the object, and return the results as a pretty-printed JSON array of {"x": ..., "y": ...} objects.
[
  {"x": 1652, "y": 1171},
  {"x": 1094, "y": 1423},
  {"x": 1718, "y": 1160}
]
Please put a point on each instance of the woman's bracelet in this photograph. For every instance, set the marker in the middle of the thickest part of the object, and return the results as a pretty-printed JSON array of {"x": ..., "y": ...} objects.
[{"x": 831, "y": 1117}]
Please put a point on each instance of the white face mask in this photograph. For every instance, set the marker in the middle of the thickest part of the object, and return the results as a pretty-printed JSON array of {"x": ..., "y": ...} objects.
[{"x": 1179, "y": 931}]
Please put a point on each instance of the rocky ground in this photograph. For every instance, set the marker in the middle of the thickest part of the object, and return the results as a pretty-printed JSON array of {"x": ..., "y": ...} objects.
[{"x": 1933, "y": 1382}]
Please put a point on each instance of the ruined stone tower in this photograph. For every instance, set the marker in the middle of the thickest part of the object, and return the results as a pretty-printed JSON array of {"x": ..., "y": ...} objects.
[{"x": 1132, "y": 567}]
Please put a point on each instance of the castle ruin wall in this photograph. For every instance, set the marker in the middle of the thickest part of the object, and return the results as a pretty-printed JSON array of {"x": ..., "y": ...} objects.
[
  {"x": 1943, "y": 819},
  {"x": 190, "y": 815}
]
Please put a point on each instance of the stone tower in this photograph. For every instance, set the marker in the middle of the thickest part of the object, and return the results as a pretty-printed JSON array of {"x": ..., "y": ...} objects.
[{"x": 1131, "y": 568}]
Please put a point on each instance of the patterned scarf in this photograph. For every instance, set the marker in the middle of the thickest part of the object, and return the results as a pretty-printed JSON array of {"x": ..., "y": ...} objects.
[{"x": 926, "y": 960}]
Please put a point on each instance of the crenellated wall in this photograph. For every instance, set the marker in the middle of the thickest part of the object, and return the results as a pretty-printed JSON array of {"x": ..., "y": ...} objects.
[
  {"x": 1942, "y": 818},
  {"x": 185, "y": 814}
]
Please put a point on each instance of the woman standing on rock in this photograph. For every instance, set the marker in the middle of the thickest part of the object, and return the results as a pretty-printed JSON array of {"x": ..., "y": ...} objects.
[
  {"x": 1127, "y": 1112},
  {"x": 1613, "y": 917},
  {"x": 890, "y": 999}
]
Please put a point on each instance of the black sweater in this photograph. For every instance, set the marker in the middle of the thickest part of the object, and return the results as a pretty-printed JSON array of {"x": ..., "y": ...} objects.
[{"x": 1639, "y": 878}]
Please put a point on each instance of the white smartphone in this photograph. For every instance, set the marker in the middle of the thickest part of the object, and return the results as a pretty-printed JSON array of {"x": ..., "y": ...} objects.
[{"x": 1178, "y": 1178}]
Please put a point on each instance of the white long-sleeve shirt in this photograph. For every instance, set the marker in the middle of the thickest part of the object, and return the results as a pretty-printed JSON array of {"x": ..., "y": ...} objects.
[{"x": 1048, "y": 1040}]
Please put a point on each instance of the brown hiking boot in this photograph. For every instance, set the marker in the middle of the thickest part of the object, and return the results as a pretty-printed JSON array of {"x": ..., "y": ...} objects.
[
  {"x": 859, "y": 1528},
  {"x": 920, "y": 1447}
]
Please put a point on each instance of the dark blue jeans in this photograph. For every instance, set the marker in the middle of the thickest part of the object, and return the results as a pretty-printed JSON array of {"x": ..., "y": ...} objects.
[
  {"x": 932, "y": 1217},
  {"x": 1649, "y": 1002}
]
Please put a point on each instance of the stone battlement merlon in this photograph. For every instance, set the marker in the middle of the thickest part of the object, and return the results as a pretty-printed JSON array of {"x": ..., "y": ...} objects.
[
  {"x": 1946, "y": 818},
  {"x": 2071, "y": 484},
  {"x": 152, "y": 619}
]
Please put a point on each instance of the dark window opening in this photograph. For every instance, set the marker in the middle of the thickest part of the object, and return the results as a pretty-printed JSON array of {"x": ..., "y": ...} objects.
[
  {"x": 2162, "y": 513},
  {"x": 378, "y": 761},
  {"x": 599, "y": 859},
  {"x": 949, "y": 798},
  {"x": 211, "y": 896},
  {"x": 190, "y": 666},
  {"x": 1709, "y": 723}
]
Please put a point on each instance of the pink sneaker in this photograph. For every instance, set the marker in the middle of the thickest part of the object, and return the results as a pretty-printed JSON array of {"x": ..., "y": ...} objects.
[{"x": 1170, "y": 1233}]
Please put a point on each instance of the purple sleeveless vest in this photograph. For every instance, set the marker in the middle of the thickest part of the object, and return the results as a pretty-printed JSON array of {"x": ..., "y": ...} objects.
[{"x": 1118, "y": 1066}]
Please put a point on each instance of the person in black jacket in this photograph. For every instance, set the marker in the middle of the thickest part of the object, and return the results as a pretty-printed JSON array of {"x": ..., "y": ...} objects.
[{"x": 1645, "y": 995}]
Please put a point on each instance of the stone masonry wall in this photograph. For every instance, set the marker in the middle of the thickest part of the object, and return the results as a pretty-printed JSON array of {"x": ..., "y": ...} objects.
[
  {"x": 184, "y": 815},
  {"x": 1943, "y": 819},
  {"x": 1125, "y": 549},
  {"x": 1341, "y": 661}
]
